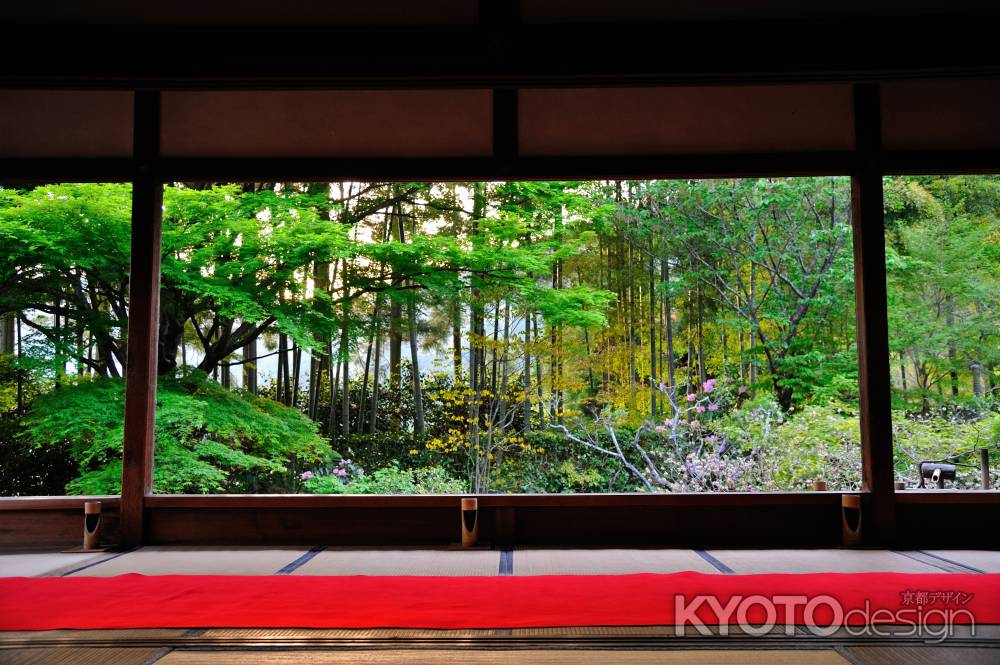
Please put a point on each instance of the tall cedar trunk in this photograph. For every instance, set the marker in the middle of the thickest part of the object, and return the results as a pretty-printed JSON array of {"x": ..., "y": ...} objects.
[
  {"x": 652, "y": 335},
  {"x": 742, "y": 347},
  {"x": 318, "y": 360},
  {"x": 321, "y": 283},
  {"x": 345, "y": 356},
  {"x": 669, "y": 322},
  {"x": 538, "y": 367},
  {"x": 526, "y": 374},
  {"x": 631, "y": 319},
  {"x": 373, "y": 414},
  {"x": 331, "y": 368},
  {"x": 395, "y": 326},
  {"x": 494, "y": 360},
  {"x": 345, "y": 376},
  {"x": 456, "y": 340},
  {"x": 690, "y": 341},
  {"x": 411, "y": 331},
  {"x": 502, "y": 410},
  {"x": 20, "y": 382},
  {"x": 418, "y": 395},
  {"x": 952, "y": 347},
  {"x": 553, "y": 354},
  {"x": 296, "y": 373},
  {"x": 752, "y": 307},
  {"x": 702, "y": 372},
  {"x": 363, "y": 406},
  {"x": 282, "y": 381},
  {"x": 376, "y": 377},
  {"x": 476, "y": 355}
]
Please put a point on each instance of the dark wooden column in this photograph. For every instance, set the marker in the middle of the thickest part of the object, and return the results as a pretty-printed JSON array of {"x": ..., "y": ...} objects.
[
  {"x": 873, "y": 327},
  {"x": 143, "y": 320}
]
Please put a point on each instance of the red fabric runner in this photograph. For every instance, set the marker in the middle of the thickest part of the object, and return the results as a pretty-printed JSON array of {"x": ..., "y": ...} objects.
[{"x": 193, "y": 601}]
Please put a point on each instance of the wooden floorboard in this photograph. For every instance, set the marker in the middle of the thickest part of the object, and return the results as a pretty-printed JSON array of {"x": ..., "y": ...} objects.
[
  {"x": 518, "y": 657},
  {"x": 921, "y": 655},
  {"x": 82, "y": 656}
]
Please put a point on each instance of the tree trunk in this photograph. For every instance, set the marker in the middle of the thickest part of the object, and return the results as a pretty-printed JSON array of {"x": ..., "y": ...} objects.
[
  {"x": 418, "y": 395},
  {"x": 345, "y": 396},
  {"x": 373, "y": 415},
  {"x": 281, "y": 383},
  {"x": 296, "y": 372},
  {"x": 652, "y": 335},
  {"x": 7, "y": 333},
  {"x": 502, "y": 395},
  {"x": 250, "y": 367},
  {"x": 669, "y": 318},
  {"x": 702, "y": 372},
  {"x": 456, "y": 340},
  {"x": 526, "y": 374},
  {"x": 363, "y": 406},
  {"x": 952, "y": 348}
]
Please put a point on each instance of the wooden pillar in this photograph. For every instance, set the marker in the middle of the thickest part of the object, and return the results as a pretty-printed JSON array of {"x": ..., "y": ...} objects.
[
  {"x": 872, "y": 321},
  {"x": 143, "y": 320},
  {"x": 505, "y": 127}
]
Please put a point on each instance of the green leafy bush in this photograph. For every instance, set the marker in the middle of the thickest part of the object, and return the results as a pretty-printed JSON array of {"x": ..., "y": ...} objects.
[
  {"x": 208, "y": 439},
  {"x": 388, "y": 480}
]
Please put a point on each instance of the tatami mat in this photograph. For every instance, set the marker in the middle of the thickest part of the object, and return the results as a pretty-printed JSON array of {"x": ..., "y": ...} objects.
[
  {"x": 342, "y": 561},
  {"x": 197, "y": 561},
  {"x": 42, "y": 564},
  {"x": 748, "y": 562},
  {"x": 985, "y": 560},
  {"x": 402, "y": 562},
  {"x": 607, "y": 562}
]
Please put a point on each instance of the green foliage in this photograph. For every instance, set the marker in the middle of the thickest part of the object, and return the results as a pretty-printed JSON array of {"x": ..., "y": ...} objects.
[
  {"x": 751, "y": 280},
  {"x": 817, "y": 443},
  {"x": 391, "y": 479},
  {"x": 208, "y": 439}
]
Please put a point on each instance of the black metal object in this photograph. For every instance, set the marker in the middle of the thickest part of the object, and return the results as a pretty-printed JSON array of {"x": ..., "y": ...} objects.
[{"x": 936, "y": 472}]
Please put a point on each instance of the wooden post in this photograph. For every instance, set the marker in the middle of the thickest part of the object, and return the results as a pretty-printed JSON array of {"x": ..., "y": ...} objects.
[
  {"x": 505, "y": 128},
  {"x": 984, "y": 467},
  {"x": 470, "y": 522},
  {"x": 91, "y": 525},
  {"x": 143, "y": 321},
  {"x": 872, "y": 319}
]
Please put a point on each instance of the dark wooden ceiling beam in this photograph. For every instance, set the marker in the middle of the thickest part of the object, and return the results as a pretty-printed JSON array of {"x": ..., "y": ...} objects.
[{"x": 501, "y": 53}]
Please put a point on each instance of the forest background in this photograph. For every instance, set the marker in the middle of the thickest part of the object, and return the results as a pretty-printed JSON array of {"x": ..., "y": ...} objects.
[{"x": 595, "y": 336}]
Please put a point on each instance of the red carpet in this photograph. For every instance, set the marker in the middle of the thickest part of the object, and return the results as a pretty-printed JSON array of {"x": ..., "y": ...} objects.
[{"x": 175, "y": 601}]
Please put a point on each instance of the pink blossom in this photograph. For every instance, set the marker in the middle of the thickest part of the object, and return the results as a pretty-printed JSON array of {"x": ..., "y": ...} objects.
[
  {"x": 340, "y": 472},
  {"x": 708, "y": 386},
  {"x": 694, "y": 424},
  {"x": 669, "y": 422},
  {"x": 660, "y": 428},
  {"x": 743, "y": 390},
  {"x": 699, "y": 409},
  {"x": 713, "y": 407},
  {"x": 691, "y": 397},
  {"x": 307, "y": 475}
]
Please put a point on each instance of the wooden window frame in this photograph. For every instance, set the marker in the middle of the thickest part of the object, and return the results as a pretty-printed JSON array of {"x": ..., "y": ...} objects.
[{"x": 518, "y": 519}]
